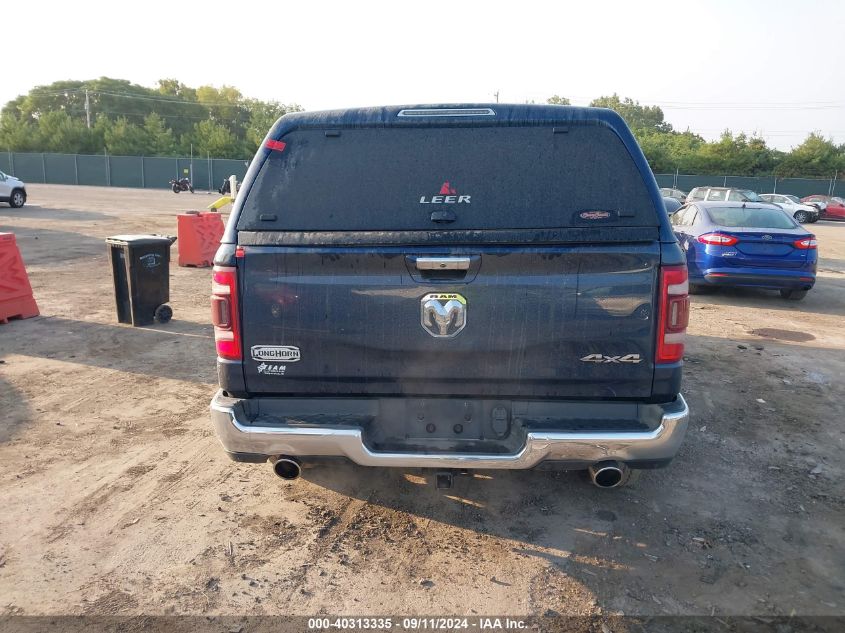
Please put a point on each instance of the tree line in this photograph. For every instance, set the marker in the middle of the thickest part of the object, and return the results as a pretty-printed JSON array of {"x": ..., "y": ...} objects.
[
  {"x": 125, "y": 119},
  {"x": 121, "y": 118},
  {"x": 668, "y": 149}
]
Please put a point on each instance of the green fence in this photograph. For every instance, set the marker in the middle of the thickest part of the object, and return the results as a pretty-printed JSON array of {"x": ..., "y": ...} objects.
[
  {"x": 154, "y": 172},
  {"x": 761, "y": 184},
  {"x": 150, "y": 172}
]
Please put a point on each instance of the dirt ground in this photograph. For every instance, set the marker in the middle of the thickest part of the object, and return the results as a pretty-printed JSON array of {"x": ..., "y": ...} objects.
[{"x": 117, "y": 498}]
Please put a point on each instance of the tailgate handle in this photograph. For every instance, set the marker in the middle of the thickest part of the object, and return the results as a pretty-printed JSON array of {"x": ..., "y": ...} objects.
[{"x": 442, "y": 263}]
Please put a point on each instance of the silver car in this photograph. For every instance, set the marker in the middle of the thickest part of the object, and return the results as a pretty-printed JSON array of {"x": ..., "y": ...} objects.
[
  {"x": 802, "y": 213},
  {"x": 12, "y": 191},
  {"x": 677, "y": 194}
]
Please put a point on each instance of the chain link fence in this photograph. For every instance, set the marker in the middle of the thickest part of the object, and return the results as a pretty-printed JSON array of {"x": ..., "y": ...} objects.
[
  {"x": 800, "y": 187},
  {"x": 148, "y": 172}
]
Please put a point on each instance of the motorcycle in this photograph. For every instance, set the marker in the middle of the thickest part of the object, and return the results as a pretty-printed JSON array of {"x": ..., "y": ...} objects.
[{"x": 181, "y": 185}]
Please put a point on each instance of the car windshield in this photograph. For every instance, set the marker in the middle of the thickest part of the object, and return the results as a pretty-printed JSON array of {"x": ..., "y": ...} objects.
[
  {"x": 838, "y": 200},
  {"x": 751, "y": 218},
  {"x": 792, "y": 198},
  {"x": 750, "y": 196}
]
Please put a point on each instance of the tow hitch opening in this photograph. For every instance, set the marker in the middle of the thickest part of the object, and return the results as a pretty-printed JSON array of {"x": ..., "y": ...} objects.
[{"x": 443, "y": 480}]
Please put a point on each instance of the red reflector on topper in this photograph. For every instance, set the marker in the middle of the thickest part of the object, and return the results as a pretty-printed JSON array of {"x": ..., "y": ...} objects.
[{"x": 278, "y": 146}]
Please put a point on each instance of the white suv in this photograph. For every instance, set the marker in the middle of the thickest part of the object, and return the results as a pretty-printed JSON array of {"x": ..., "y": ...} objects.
[
  {"x": 720, "y": 194},
  {"x": 12, "y": 191}
]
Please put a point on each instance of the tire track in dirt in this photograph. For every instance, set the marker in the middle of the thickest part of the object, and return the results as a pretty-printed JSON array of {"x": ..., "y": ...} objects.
[
  {"x": 328, "y": 536},
  {"x": 146, "y": 469}
]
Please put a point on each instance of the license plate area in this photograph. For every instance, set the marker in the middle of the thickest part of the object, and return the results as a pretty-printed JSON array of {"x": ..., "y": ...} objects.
[
  {"x": 445, "y": 425},
  {"x": 427, "y": 418},
  {"x": 773, "y": 250}
]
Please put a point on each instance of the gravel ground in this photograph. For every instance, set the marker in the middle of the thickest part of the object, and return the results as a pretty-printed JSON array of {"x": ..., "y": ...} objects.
[{"x": 118, "y": 500}]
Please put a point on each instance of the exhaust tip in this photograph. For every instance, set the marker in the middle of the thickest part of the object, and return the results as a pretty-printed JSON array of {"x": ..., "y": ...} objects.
[
  {"x": 607, "y": 474},
  {"x": 287, "y": 468}
]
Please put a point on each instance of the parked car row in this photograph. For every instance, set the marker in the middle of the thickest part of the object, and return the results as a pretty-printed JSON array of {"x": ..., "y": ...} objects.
[
  {"x": 805, "y": 210},
  {"x": 801, "y": 212}
]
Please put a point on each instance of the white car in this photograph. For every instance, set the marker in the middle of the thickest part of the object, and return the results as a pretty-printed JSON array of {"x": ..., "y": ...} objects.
[
  {"x": 793, "y": 206},
  {"x": 12, "y": 191}
]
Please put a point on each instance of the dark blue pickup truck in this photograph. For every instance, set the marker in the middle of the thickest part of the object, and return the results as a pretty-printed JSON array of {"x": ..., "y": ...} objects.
[{"x": 451, "y": 287}]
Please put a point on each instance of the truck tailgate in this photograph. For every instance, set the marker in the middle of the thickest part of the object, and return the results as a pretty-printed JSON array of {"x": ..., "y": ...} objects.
[{"x": 560, "y": 320}]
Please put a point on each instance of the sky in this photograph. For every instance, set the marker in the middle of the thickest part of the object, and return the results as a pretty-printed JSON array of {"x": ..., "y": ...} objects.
[{"x": 774, "y": 67}]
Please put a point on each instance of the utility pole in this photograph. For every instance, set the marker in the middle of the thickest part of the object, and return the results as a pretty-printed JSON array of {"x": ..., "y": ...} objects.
[
  {"x": 87, "y": 109},
  {"x": 496, "y": 94}
]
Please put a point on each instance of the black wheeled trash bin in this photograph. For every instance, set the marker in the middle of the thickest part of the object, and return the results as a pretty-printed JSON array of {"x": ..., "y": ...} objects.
[{"x": 140, "y": 267}]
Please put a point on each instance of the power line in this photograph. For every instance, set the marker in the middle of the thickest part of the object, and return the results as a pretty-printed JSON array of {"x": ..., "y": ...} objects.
[
  {"x": 174, "y": 101},
  {"x": 163, "y": 99},
  {"x": 163, "y": 116}
]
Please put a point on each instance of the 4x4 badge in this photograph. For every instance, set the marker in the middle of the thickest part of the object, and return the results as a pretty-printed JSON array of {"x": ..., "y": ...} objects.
[
  {"x": 443, "y": 315},
  {"x": 601, "y": 358}
]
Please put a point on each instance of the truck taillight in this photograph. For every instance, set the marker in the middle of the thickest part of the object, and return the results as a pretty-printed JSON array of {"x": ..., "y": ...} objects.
[
  {"x": 673, "y": 315},
  {"x": 224, "y": 312}
]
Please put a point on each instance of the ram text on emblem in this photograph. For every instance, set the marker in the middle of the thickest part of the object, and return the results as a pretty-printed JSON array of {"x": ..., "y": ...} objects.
[{"x": 444, "y": 315}]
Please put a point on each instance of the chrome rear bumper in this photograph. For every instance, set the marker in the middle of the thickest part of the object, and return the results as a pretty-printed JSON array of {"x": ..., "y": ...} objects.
[{"x": 242, "y": 437}]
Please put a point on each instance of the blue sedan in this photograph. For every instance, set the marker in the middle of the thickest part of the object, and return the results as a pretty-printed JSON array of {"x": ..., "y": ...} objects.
[{"x": 746, "y": 244}]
